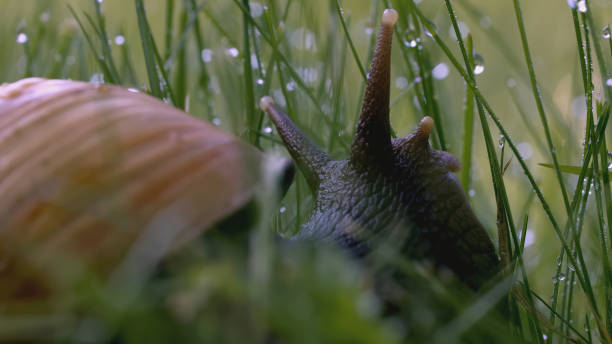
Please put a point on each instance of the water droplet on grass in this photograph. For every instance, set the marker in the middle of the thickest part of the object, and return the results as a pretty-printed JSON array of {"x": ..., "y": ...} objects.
[
  {"x": 267, "y": 130},
  {"x": 582, "y": 6},
  {"x": 464, "y": 30},
  {"x": 411, "y": 38},
  {"x": 609, "y": 82},
  {"x": 401, "y": 82},
  {"x": 119, "y": 40},
  {"x": 206, "y": 55},
  {"x": 478, "y": 64},
  {"x": 22, "y": 38},
  {"x": 605, "y": 32},
  {"x": 440, "y": 71},
  {"x": 45, "y": 16},
  {"x": 216, "y": 121},
  {"x": 256, "y": 9},
  {"x": 233, "y": 52}
]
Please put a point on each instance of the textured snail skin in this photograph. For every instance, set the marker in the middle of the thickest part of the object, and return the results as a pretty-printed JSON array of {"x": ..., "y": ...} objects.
[{"x": 396, "y": 193}]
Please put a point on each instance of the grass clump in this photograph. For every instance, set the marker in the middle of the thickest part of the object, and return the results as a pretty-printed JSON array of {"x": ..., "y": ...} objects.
[{"x": 530, "y": 130}]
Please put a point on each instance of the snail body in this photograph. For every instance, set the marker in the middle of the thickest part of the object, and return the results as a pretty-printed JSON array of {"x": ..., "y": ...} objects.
[
  {"x": 394, "y": 192},
  {"x": 87, "y": 170}
]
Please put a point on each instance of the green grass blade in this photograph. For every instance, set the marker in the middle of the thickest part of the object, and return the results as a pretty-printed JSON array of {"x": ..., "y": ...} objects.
[
  {"x": 148, "y": 50},
  {"x": 468, "y": 132},
  {"x": 340, "y": 13},
  {"x": 540, "y": 106},
  {"x": 249, "y": 85},
  {"x": 104, "y": 41}
]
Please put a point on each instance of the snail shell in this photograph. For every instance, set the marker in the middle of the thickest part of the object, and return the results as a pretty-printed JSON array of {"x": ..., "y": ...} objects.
[{"x": 85, "y": 169}]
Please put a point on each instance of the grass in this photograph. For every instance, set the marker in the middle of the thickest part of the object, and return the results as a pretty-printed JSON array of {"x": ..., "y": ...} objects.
[{"x": 551, "y": 206}]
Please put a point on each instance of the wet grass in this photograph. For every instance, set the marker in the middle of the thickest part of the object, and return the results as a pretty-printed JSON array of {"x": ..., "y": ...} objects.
[{"x": 530, "y": 132}]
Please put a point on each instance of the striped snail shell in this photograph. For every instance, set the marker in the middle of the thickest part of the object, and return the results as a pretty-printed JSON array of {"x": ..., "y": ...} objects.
[{"x": 86, "y": 169}]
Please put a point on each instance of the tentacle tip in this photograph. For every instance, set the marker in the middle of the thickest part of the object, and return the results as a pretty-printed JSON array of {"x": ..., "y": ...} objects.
[
  {"x": 265, "y": 103},
  {"x": 389, "y": 17},
  {"x": 426, "y": 126}
]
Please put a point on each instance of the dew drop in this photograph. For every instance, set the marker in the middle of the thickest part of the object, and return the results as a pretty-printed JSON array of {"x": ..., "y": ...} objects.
[
  {"x": 22, "y": 38},
  {"x": 256, "y": 9},
  {"x": 478, "y": 64},
  {"x": 282, "y": 209},
  {"x": 401, "y": 82},
  {"x": 529, "y": 237},
  {"x": 45, "y": 16},
  {"x": 571, "y": 4},
  {"x": 472, "y": 193},
  {"x": 605, "y": 32},
  {"x": 582, "y": 6},
  {"x": 216, "y": 121},
  {"x": 440, "y": 71},
  {"x": 233, "y": 52},
  {"x": 411, "y": 38},
  {"x": 119, "y": 40},
  {"x": 267, "y": 130},
  {"x": 369, "y": 31},
  {"x": 97, "y": 78},
  {"x": 464, "y": 30},
  {"x": 254, "y": 61},
  {"x": 291, "y": 85},
  {"x": 561, "y": 277},
  {"x": 579, "y": 108},
  {"x": 525, "y": 150},
  {"x": 609, "y": 82},
  {"x": 206, "y": 55},
  {"x": 434, "y": 27},
  {"x": 303, "y": 39},
  {"x": 260, "y": 82},
  {"x": 502, "y": 141}
]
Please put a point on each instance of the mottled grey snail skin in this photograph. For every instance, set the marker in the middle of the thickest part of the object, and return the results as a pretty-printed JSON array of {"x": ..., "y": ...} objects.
[{"x": 395, "y": 192}]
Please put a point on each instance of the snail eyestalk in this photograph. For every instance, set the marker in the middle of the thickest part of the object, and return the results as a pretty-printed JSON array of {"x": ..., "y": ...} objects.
[
  {"x": 310, "y": 159},
  {"x": 372, "y": 144},
  {"x": 426, "y": 126}
]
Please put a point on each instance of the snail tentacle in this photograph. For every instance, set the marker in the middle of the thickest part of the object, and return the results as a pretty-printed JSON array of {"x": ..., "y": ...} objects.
[
  {"x": 372, "y": 143},
  {"x": 311, "y": 160}
]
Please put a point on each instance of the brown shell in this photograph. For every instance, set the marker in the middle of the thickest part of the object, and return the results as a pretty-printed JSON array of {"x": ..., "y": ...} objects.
[{"x": 86, "y": 169}]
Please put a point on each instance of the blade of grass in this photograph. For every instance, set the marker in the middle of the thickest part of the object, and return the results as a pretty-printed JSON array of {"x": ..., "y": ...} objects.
[
  {"x": 179, "y": 62},
  {"x": 105, "y": 69},
  {"x": 249, "y": 86},
  {"x": 340, "y": 13},
  {"x": 540, "y": 106},
  {"x": 503, "y": 131},
  {"x": 468, "y": 130},
  {"x": 103, "y": 38},
  {"x": 148, "y": 51},
  {"x": 169, "y": 27}
]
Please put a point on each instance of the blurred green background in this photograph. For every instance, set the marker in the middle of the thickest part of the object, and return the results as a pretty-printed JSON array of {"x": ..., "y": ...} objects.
[{"x": 42, "y": 38}]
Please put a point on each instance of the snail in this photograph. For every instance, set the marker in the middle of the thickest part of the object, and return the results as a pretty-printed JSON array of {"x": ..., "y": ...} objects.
[
  {"x": 87, "y": 170},
  {"x": 398, "y": 192}
]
